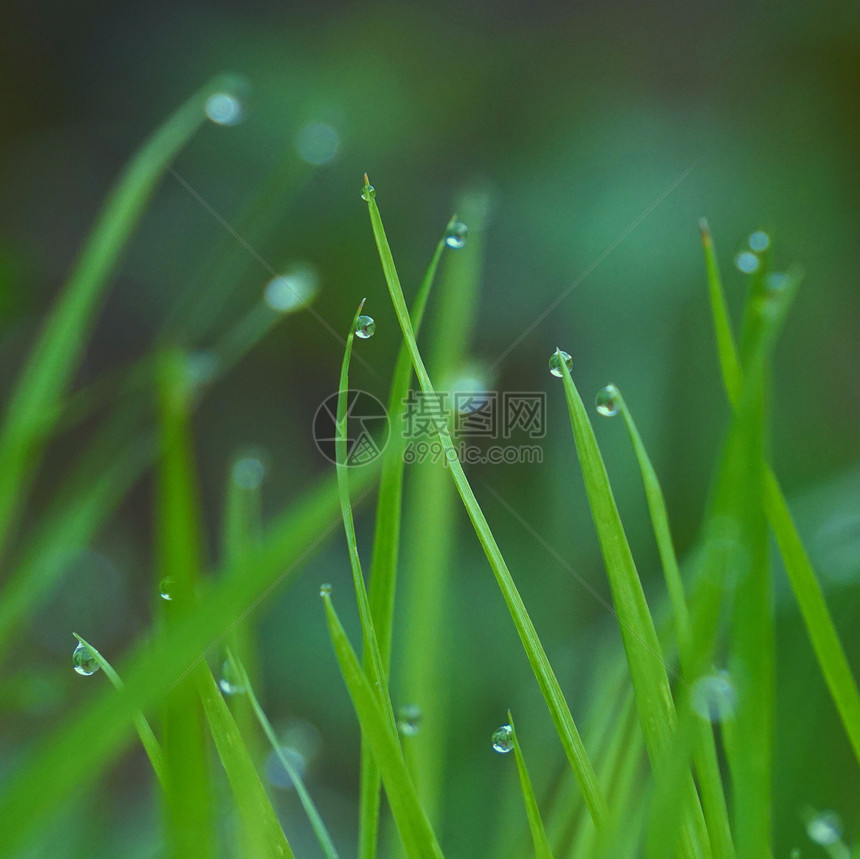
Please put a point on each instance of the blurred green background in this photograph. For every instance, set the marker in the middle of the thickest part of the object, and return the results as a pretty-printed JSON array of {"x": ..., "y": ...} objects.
[{"x": 574, "y": 125}]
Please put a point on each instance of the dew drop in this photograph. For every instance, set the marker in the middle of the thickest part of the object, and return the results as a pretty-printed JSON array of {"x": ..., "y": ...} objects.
[
  {"x": 224, "y": 108},
  {"x": 277, "y": 774},
  {"x": 292, "y": 289},
  {"x": 83, "y": 660},
  {"x": 714, "y": 697},
  {"x": 325, "y": 590},
  {"x": 824, "y": 828},
  {"x": 317, "y": 143},
  {"x": 456, "y": 235},
  {"x": 166, "y": 588},
  {"x": 365, "y": 327},
  {"x": 747, "y": 262},
  {"x": 503, "y": 739},
  {"x": 759, "y": 241},
  {"x": 368, "y": 192},
  {"x": 248, "y": 472},
  {"x": 555, "y": 363},
  {"x": 409, "y": 720},
  {"x": 229, "y": 681},
  {"x": 607, "y": 401},
  {"x": 775, "y": 282}
]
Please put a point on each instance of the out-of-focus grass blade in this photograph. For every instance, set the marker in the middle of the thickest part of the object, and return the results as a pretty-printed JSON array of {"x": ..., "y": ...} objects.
[
  {"x": 85, "y": 741},
  {"x": 541, "y": 844},
  {"x": 567, "y": 731},
  {"x": 386, "y": 545},
  {"x": 650, "y": 682},
  {"x": 189, "y": 799},
  {"x": 34, "y": 406},
  {"x": 319, "y": 827},
  {"x": 251, "y": 797},
  {"x": 807, "y": 590},
  {"x": 147, "y": 737},
  {"x": 412, "y": 824}
]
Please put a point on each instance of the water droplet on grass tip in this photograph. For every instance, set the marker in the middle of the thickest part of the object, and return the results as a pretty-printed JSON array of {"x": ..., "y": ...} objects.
[
  {"x": 409, "y": 720},
  {"x": 325, "y": 590},
  {"x": 825, "y": 828},
  {"x": 759, "y": 241},
  {"x": 165, "y": 589},
  {"x": 456, "y": 235},
  {"x": 83, "y": 660},
  {"x": 607, "y": 401},
  {"x": 229, "y": 681},
  {"x": 365, "y": 327},
  {"x": 248, "y": 472},
  {"x": 714, "y": 697},
  {"x": 503, "y": 739},
  {"x": 317, "y": 143},
  {"x": 224, "y": 108},
  {"x": 747, "y": 262},
  {"x": 368, "y": 192},
  {"x": 277, "y": 774},
  {"x": 555, "y": 363}
]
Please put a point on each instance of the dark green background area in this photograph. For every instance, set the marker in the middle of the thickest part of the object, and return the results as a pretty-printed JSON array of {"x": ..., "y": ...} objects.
[{"x": 574, "y": 121}]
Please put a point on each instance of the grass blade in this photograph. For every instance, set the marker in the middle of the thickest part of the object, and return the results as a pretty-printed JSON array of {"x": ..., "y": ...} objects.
[
  {"x": 414, "y": 828},
  {"x": 254, "y": 805},
  {"x": 541, "y": 844},
  {"x": 567, "y": 731},
  {"x": 34, "y": 405}
]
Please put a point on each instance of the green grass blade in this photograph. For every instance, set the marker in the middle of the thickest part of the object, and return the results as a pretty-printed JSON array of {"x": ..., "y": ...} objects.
[
  {"x": 567, "y": 731},
  {"x": 307, "y": 802},
  {"x": 34, "y": 405},
  {"x": 541, "y": 844},
  {"x": 254, "y": 805},
  {"x": 647, "y": 669},
  {"x": 412, "y": 824},
  {"x": 147, "y": 736},
  {"x": 386, "y": 545}
]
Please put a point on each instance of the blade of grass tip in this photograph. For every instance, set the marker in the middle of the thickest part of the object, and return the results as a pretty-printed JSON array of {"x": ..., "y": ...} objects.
[
  {"x": 647, "y": 669},
  {"x": 804, "y": 583},
  {"x": 254, "y": 805},
  {"x": 541, "y": 844},
  {"x": 415, "y": 831},
  {"x": 34, "y": 404},
  {"x": 189, "y": 801},
  {"x": 147, "y": 737},
  {"x": 549, "y": 685},
  {"x": 706, "y": 759},
  {"x": 76, "y": 751},
  {"x": 311, "y": 811},
  {"x": 386, "y": 545}
]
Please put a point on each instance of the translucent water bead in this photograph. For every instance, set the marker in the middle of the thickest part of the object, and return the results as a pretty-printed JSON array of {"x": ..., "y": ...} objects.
[
  {"x": 365, "y": 327},
  {"x": 456, "y": 235},
  {"x": 503, "y": 739},
  {"x": 83, "y": 660},
  {"x": 607, "y": 401},
  {"x": 555, "y": 363}
]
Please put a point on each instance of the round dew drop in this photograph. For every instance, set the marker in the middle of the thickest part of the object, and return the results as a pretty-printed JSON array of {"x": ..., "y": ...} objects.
[
  {"x": 747, "y": 262},
  {"x": 714, "y": 697},
  {"x": 456, "y": 235},
  {"x": 607, "y": 401},
  {"x": 325, "y": 590},
  {"x": 365, "y": 327},
  {"x": 759, "y": 241},
  {"x": 229, "y": 681},
  {"x": 409, "y": 720},
  {"x": 83, "y": 660},
  {"x": 825, "y": 828},
  {"x": 503, "y": 739},
  {"x": 224, "y": 109},
  {"x": 555, "y": 363},
  {"x": 165, "y": 589},
  {"x": 368, "y": 192}
]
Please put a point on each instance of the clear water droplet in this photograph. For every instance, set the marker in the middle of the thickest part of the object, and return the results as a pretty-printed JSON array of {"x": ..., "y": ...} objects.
[
  {"x": 83, "y": 660},
  {"x": 825, "y": 828},
  {"x": 456, "y": 235},
  {"x": 409, "y": 719},
  {"x": 555, "y": 363},
  {"x": 503, "y": 739},
  {"x": 747, "y": 262},
  {"x": 775, "y": 282},
  {"x": 325, "y": 590},
  {"x": 248, "y": 472},
  {"x": 607, "y": 401},
  {"x": 291, "y": 290},
  {"x": 365, "y": 327},
  {"x": 166, "y": 588},
  {"x": 229, "y": 681},
  {"x": 276, "y": 772},
  {"x": 224, "y": 108},
  {"x": 714, "y": 697},
  {"x": 759, "y": 241},
  {"x": 368, "y": 192},
  {"x": 317, "y": 143}
]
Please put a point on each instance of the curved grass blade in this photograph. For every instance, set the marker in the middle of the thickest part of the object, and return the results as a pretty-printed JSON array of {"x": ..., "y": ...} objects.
[
  {"x": 311, "y": 811},
  {"x": 250, "y": 794},
  {"x": 567, "y": 731},
  {"x": 412, "y": 824},
  {"x": 647, "y": 669},
  {"x": 541, "y": 844},
  {"x": 34, "y": 405},
  {"x": 147, "y": 737}
]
